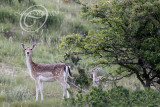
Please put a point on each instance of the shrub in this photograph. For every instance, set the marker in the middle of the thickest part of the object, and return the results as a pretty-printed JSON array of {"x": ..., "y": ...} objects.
[
  {"x": 72, "y": 59},
  {"x": 82, "y": 79},
  {"x": 116, "y": 97},
  {"x": 94, "y": 98},
  {"x": 145, "y": 98}
]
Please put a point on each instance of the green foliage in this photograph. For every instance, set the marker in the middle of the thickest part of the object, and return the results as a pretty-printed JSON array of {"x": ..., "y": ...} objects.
[
  {"x": 145, "y": 98},
  {"x": 118, "y": 96},
  {"x": 73, "y": 60},
  {"x": 96, "y": 97},
  {"x": 82, "y": 78},
  {"x": 127, "y": 34}
]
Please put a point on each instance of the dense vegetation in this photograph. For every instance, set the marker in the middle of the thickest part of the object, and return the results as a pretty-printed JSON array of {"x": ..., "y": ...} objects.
[
  {"x": 117, "y": 96},
  {"x": 127, "y": 34}
]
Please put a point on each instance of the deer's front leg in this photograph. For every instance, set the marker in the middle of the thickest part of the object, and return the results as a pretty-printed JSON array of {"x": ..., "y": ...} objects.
[
  {"x": 37, "y": 88},
  {"x": 41, "y": 89}
]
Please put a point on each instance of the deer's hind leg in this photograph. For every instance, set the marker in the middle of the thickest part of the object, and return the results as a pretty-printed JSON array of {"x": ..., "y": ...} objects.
[{"x": 65, "y": 85}]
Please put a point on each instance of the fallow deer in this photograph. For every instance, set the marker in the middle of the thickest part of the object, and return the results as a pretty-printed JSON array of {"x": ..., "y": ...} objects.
[
  {"x": 46, "y": 72},
  {"x": 96, "y": 79}
]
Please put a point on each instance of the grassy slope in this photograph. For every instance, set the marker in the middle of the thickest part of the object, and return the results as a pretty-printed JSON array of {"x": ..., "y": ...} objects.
[{"x": 16, "y": 86}]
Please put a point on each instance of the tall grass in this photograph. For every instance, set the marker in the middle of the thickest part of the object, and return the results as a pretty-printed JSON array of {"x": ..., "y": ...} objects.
[
  {"x": 12, "y": 53},
  {"x": 7, "y": 15}
]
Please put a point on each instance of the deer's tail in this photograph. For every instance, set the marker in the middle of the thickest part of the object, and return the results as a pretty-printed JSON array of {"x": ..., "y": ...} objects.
[{"x": 68, "y": 71}]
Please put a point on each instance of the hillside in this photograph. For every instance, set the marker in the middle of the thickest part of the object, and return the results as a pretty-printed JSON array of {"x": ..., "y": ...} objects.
[{"x": 16, "y": 85}]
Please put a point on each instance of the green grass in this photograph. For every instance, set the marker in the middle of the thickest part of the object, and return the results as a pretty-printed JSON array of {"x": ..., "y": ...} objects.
[
  {"x": 12, "y": 53},
  {"x": 20, "y": 90}
]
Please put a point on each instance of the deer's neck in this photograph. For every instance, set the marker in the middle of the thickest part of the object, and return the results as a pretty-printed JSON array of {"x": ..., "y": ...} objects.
[
  {"x": 94, "y": 76},
  {"x": 29, "y": 62},
  {"x": 29, "y": 65}
]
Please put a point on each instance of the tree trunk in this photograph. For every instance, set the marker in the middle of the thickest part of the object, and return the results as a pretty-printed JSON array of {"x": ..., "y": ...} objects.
[{"x": 148, "y": 83}]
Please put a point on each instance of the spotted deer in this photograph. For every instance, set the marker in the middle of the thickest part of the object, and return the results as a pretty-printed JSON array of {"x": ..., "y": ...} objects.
[
  {"x": 96, "y": 79},
  {"x": 46, "y": 72}
]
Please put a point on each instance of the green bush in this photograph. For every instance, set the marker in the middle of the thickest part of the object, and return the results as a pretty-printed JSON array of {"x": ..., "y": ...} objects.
[
  {"x": 116, "y": 97},
  {"x": 94, "y": 98},
  {"x": 82, "y": 78},
  {"x": 73, "y": 60},
  {"x": 146, "y": 98}
]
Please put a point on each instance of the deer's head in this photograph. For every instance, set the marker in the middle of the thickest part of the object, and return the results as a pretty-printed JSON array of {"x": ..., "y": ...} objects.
[
  {"x": 28, "y": 50},
  {"x": 93, "y": 70}
]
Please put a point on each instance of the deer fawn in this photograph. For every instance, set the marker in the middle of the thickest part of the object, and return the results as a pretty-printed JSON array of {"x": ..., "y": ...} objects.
[
  {"x": 46, "y": 72},
  {"x": 96, "y": 78}
]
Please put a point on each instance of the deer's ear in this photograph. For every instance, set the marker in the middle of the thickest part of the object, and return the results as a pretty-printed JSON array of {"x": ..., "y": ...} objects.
[
  {"x": 22, "y": 45},
  {"x": 33, "y": 46}
]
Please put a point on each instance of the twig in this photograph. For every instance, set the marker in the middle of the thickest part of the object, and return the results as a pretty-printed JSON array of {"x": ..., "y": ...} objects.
[{"x": 77, "y": 87}]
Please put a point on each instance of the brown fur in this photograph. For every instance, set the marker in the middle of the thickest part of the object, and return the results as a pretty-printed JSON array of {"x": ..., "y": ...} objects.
[
  {"x": 45, "y": 72},
  {"x": 96, "y": 78}
]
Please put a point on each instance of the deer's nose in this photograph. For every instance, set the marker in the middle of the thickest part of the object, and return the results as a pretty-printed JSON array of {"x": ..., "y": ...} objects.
[{"x": 28, "y": 53}]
